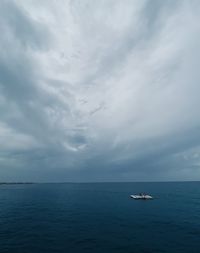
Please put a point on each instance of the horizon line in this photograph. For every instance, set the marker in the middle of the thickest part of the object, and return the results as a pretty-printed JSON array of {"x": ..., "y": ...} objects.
[{"x": 94, "y": 182}]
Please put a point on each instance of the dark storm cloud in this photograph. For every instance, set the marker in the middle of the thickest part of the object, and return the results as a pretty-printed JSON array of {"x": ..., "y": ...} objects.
[{"x": 99, "y": 90}]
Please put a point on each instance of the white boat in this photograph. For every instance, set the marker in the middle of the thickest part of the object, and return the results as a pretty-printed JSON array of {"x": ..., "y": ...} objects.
[{"x": 141, "y": 196}]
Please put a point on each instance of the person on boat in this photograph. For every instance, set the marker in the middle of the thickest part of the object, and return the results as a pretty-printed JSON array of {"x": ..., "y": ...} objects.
[{"x": 142, "y": 195}]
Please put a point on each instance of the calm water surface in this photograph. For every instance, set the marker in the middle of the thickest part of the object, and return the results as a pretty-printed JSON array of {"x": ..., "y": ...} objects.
[{"x": 100, "y": 217}]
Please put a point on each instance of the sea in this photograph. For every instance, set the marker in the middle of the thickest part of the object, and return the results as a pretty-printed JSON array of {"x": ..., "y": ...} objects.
[{"x": 100, "y": 217}]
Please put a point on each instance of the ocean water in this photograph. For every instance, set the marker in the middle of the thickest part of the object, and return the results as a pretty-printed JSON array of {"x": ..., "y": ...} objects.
[{"x": 100, "y": 217}]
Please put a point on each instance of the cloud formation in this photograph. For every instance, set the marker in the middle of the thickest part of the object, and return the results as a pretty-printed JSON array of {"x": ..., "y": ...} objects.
[{"x": 99, "y": 90}]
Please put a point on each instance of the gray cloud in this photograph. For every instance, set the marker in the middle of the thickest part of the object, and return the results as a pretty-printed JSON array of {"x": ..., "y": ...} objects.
[{"x": 99, "y": 90}]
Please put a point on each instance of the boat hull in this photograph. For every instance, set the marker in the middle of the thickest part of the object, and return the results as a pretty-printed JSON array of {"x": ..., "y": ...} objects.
[{"x": 143, "y": 197}]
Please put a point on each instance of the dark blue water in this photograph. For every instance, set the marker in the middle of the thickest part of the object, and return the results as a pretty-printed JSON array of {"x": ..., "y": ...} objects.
[{"x": 100, "y": 218}]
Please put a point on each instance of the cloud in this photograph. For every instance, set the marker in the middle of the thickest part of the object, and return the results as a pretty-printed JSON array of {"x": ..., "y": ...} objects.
[{"x": 99, "y": 90}]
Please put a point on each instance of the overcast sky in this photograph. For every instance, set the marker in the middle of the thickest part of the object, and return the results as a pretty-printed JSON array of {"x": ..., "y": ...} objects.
[{"x": 99, "y": 90}]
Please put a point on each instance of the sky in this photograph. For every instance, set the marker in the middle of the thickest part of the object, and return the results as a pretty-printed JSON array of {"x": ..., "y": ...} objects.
[{"x": 99, "y": 90}]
